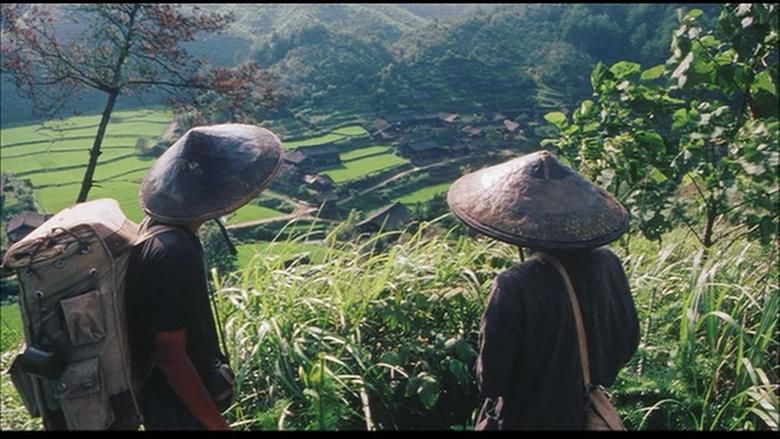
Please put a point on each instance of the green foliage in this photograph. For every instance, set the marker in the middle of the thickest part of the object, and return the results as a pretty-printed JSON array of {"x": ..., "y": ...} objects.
[
  {"x": 691, "y": 141},
  {"x": 707, "y": 358},
  {"x": 11, "y": 323},
  {"x": 386, "y": 340},
  {"x": 215, "y": 249}
]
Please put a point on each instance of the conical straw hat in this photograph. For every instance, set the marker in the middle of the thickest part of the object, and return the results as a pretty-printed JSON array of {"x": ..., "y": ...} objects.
[
  {"x": 209, "y": 172},
  {"x": 536, "y": 201}
]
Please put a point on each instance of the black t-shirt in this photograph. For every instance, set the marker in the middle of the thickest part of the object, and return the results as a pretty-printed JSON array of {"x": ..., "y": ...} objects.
[
  {"x": 528, "y": 340},
  {"x": 166, "y": 291}
]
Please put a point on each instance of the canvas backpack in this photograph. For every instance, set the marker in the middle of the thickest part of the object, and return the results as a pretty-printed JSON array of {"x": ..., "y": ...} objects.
[{"x": 74, "y": 369}]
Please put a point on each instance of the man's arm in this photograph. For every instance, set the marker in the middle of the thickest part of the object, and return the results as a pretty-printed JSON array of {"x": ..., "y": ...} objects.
[{"x": 173, "y": 361}]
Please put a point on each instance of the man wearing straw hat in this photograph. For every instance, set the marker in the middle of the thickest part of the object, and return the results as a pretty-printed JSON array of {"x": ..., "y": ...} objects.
[
  {"x": 563, "y": 322},
  {"x": 209, "y": 172}
]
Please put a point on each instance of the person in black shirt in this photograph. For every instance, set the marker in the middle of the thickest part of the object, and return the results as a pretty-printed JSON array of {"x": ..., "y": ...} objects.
[
  {"x": 209, "y": 172},
  {"x": 528, "y": 369}
]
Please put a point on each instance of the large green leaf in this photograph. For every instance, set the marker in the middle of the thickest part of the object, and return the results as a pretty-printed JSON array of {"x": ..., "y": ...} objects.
[
  {"x": 657, "y": 175},
  {"x": 428, "y": 390},
  {"x": 763, "y": 81},
  {"x": 680, "y": 119},
  {"x": 624, "y": 68},
  {"x": 651, "y": 139},
  {"x": 597, "y": 75},
  {"x": 694, "y": 13},
  {"x": 584, "y": 111},
  {"x": 652, "y": 73},
  {"x": 556, "y": 118}
]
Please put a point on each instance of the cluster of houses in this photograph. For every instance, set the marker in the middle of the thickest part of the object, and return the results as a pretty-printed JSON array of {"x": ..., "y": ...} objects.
[
  {"x": 420, "y": 137},
  {"x": 423, "y": 137}
]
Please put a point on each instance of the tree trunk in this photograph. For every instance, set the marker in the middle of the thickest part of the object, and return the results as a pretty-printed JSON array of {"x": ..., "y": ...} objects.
[
  {"x": 94, "y": 153},
  {"x": 709, "y": 229}
]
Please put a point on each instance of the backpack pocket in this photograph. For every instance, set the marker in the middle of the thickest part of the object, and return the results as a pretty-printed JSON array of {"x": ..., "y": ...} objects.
[
  {"x": 83, "y": 397},
  {"x": 84, "y": 318},
  {"x": 23, "y": 382}
]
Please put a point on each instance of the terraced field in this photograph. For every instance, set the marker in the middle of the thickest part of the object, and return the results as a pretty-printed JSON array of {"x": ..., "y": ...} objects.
[
  {"x": 333, "y": 136},
  {"x": 252, "y": 212},
  {"x": 424, "y": 194},
  {"x": 363, "y": 165},
  {"x": 53, "y": 156},
  {"x": 364, "y": 152}
]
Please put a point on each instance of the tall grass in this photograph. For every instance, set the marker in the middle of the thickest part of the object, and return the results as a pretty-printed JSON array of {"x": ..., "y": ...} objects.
[
  {"x": 709, "y": 351},
  {"x": 381, "y": 334},
  {"x": 373, "y": 339},
  {"x": 367, "y": 339}
]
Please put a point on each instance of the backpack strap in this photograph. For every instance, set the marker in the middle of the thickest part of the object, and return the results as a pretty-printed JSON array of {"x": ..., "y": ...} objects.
[{"x": 582, "y": 338}]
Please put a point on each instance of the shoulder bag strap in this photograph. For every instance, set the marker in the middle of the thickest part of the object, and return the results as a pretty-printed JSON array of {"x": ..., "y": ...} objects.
[{"x": 575, "y": 304}]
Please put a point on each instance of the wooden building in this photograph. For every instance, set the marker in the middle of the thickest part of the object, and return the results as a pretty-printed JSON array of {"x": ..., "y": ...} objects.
[
  {"x": 312, "y": 158},
  {"x": 391, "y": 217},
  {"x": 22, "y": 224},
  {"x": 423, "y": 150}
]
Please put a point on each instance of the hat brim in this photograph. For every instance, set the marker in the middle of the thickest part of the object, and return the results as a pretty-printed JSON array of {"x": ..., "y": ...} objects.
[{"x": 535, "y": 201}]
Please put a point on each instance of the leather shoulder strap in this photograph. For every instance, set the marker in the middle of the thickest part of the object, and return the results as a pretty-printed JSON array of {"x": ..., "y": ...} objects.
[{"x": 575, "y": 304}]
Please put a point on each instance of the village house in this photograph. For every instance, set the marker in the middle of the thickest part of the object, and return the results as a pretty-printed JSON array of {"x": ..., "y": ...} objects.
[
  {"x": 511, "y": 126},
  {"x": 311, "y": 158},
  {"x": 295, "y": 158},
  {"x": 448, "y": 117},
  {"x": 471, "y": 131},
  {"x": 405, "y": 121},
  {"x": 318, "y": 182},
  {"x": 422, "y": 150},
  {"x": 392, "y": 217},
  {"x": 22, "y": 224},
  {"x": 382, "y": 130},
  {"x": 380, "y": 124}
]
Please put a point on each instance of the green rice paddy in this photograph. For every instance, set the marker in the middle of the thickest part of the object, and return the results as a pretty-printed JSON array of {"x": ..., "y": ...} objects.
[
  {"x": 363, "y": 166},
  {"x": 424, "y": 194},
  {"x": 252, "y": 212},
  {"x": 364, "y": 152},
  {"x": 333, "y": 136},
  {"x": 54, "y": 155}
]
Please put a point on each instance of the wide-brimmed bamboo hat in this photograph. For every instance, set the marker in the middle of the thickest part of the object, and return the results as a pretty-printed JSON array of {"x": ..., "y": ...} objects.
[
  {"x": 536, "y": 201},
  {"x": 209, "y": 172}
]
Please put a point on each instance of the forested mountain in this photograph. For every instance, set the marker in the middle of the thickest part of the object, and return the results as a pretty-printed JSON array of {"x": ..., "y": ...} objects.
[
  {"x": 370, "y": 59},
  {"x": 440, "y": 10},
  {"x": 268, "y": 22},
  {"x": 505, "y": 56}
]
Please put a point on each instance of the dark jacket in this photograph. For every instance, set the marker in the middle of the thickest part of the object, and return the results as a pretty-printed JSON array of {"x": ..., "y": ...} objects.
[{"x": 528, "y": 341}]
